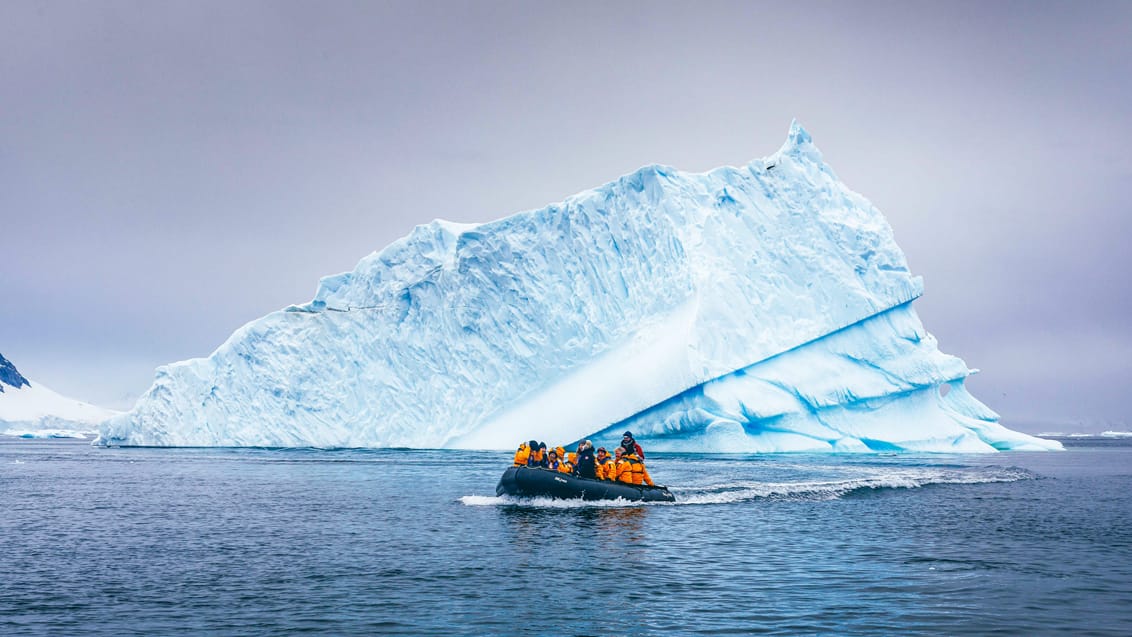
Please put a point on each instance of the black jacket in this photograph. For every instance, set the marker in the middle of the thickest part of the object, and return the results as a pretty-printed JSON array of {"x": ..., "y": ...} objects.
[{"x": 585, "y": 465}]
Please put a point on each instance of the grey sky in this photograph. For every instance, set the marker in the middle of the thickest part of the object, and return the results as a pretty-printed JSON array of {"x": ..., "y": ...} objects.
[{"x": 172, "y": 170}]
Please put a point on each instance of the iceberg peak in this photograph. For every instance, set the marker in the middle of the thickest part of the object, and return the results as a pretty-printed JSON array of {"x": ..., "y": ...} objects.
[
  {"x": 797, "y": 135},
  {"x": 798, "y": 148}
]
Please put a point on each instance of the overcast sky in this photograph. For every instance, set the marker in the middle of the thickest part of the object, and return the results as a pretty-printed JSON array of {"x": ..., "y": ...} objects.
[{"x": 172, "y": 170}]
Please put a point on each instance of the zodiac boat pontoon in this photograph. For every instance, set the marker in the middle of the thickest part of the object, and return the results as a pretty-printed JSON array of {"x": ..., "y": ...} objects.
[{"x": 536, "y": 482}]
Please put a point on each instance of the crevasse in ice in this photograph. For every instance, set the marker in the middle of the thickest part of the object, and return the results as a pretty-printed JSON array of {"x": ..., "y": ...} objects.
[{"x": 761, "y": 308}]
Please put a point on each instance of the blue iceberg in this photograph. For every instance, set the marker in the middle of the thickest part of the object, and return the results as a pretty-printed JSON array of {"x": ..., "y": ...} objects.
[{"x": 760, "y": 308}]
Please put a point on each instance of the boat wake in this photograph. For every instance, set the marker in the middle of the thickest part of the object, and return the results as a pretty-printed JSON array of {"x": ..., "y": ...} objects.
[{"x": 813, "y": 490}]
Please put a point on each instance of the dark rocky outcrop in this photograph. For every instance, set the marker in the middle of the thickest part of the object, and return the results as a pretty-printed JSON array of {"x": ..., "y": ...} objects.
[{"x": 10, "y": 376}]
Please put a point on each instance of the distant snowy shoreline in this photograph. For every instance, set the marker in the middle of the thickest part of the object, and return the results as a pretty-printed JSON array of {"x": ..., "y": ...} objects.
[
  {"x": 1103, "y": 434},
  {"x": 29, "y": 409},
  {"x": 40, "y": 434}
]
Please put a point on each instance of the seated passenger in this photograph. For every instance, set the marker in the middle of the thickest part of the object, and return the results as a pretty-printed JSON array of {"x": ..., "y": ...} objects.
[
  {"x": 537, "y": 456},
  {"x": 522, "y": 455},
  {"x": 585, "y": 465},
  {"x": 645, "y": 477},
  {"x": 637, "y": 472},
  {"x": 554, "y": 464},
  {"x": 603, "y": 464},
  {"x": 622, "y": 469},
  {"x": 564, "y": 459}
]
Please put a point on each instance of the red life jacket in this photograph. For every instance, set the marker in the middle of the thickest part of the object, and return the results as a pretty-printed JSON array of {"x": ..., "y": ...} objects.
[{"x": 640, "y": 452}]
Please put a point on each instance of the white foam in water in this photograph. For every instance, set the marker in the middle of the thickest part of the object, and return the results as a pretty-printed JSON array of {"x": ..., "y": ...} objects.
[
  {"x": 834, "y": 489},
  {"x": 728, "y": 493}
]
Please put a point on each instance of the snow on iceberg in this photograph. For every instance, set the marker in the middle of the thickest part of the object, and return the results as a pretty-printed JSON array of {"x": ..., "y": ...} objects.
[{"x": 757, "y": 308}]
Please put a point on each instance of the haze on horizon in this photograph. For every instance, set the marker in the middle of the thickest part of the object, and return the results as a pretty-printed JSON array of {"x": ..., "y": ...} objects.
[{"x": 169, "y": 172}]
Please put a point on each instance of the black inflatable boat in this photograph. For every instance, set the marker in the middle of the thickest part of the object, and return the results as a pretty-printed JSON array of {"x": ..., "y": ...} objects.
[{"x": 534, "y": 482}]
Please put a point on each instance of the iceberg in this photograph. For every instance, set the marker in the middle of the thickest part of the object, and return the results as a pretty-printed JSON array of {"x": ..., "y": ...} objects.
[{"x": 757, "y": 308}]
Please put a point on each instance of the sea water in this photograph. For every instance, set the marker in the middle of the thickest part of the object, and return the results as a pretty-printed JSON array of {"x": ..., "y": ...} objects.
[{"x": 276, "y": 542}]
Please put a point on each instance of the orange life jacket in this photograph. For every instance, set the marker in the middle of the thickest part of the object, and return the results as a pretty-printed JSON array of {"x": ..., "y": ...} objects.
[
  {"x": 645, "y": 477},
  {"x": 622, "y": 470},
  {"x": 603, "y": 468},
  {"x": 522, "y": 455},
  {"x": 637, "y": 472},
  {"x": 536, "y": 456}
]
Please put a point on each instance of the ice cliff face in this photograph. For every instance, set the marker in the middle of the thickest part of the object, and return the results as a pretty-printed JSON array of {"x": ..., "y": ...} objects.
[{"x": 763, "y": 307}]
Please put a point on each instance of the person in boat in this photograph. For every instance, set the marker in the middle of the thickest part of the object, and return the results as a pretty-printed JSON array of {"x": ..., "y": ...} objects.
[
  {"x": 564, "y": 465},
  {"x": 537, "y": 456},
  {"x": 523, "y": 454},
  {"x": 603, "y": 464},
  {"x": 585, "y": 465},
  {"x": 629, "y": 443},
  {"x": 619, "y": 467},
  {"x": 631, "y": 469},
  {"x": 553, "y": 463}
]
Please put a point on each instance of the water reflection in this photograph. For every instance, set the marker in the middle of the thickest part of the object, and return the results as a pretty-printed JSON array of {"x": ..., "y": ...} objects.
[
  {"x": 603, "y": 528},
  {"x": 623, "y": 522}
]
